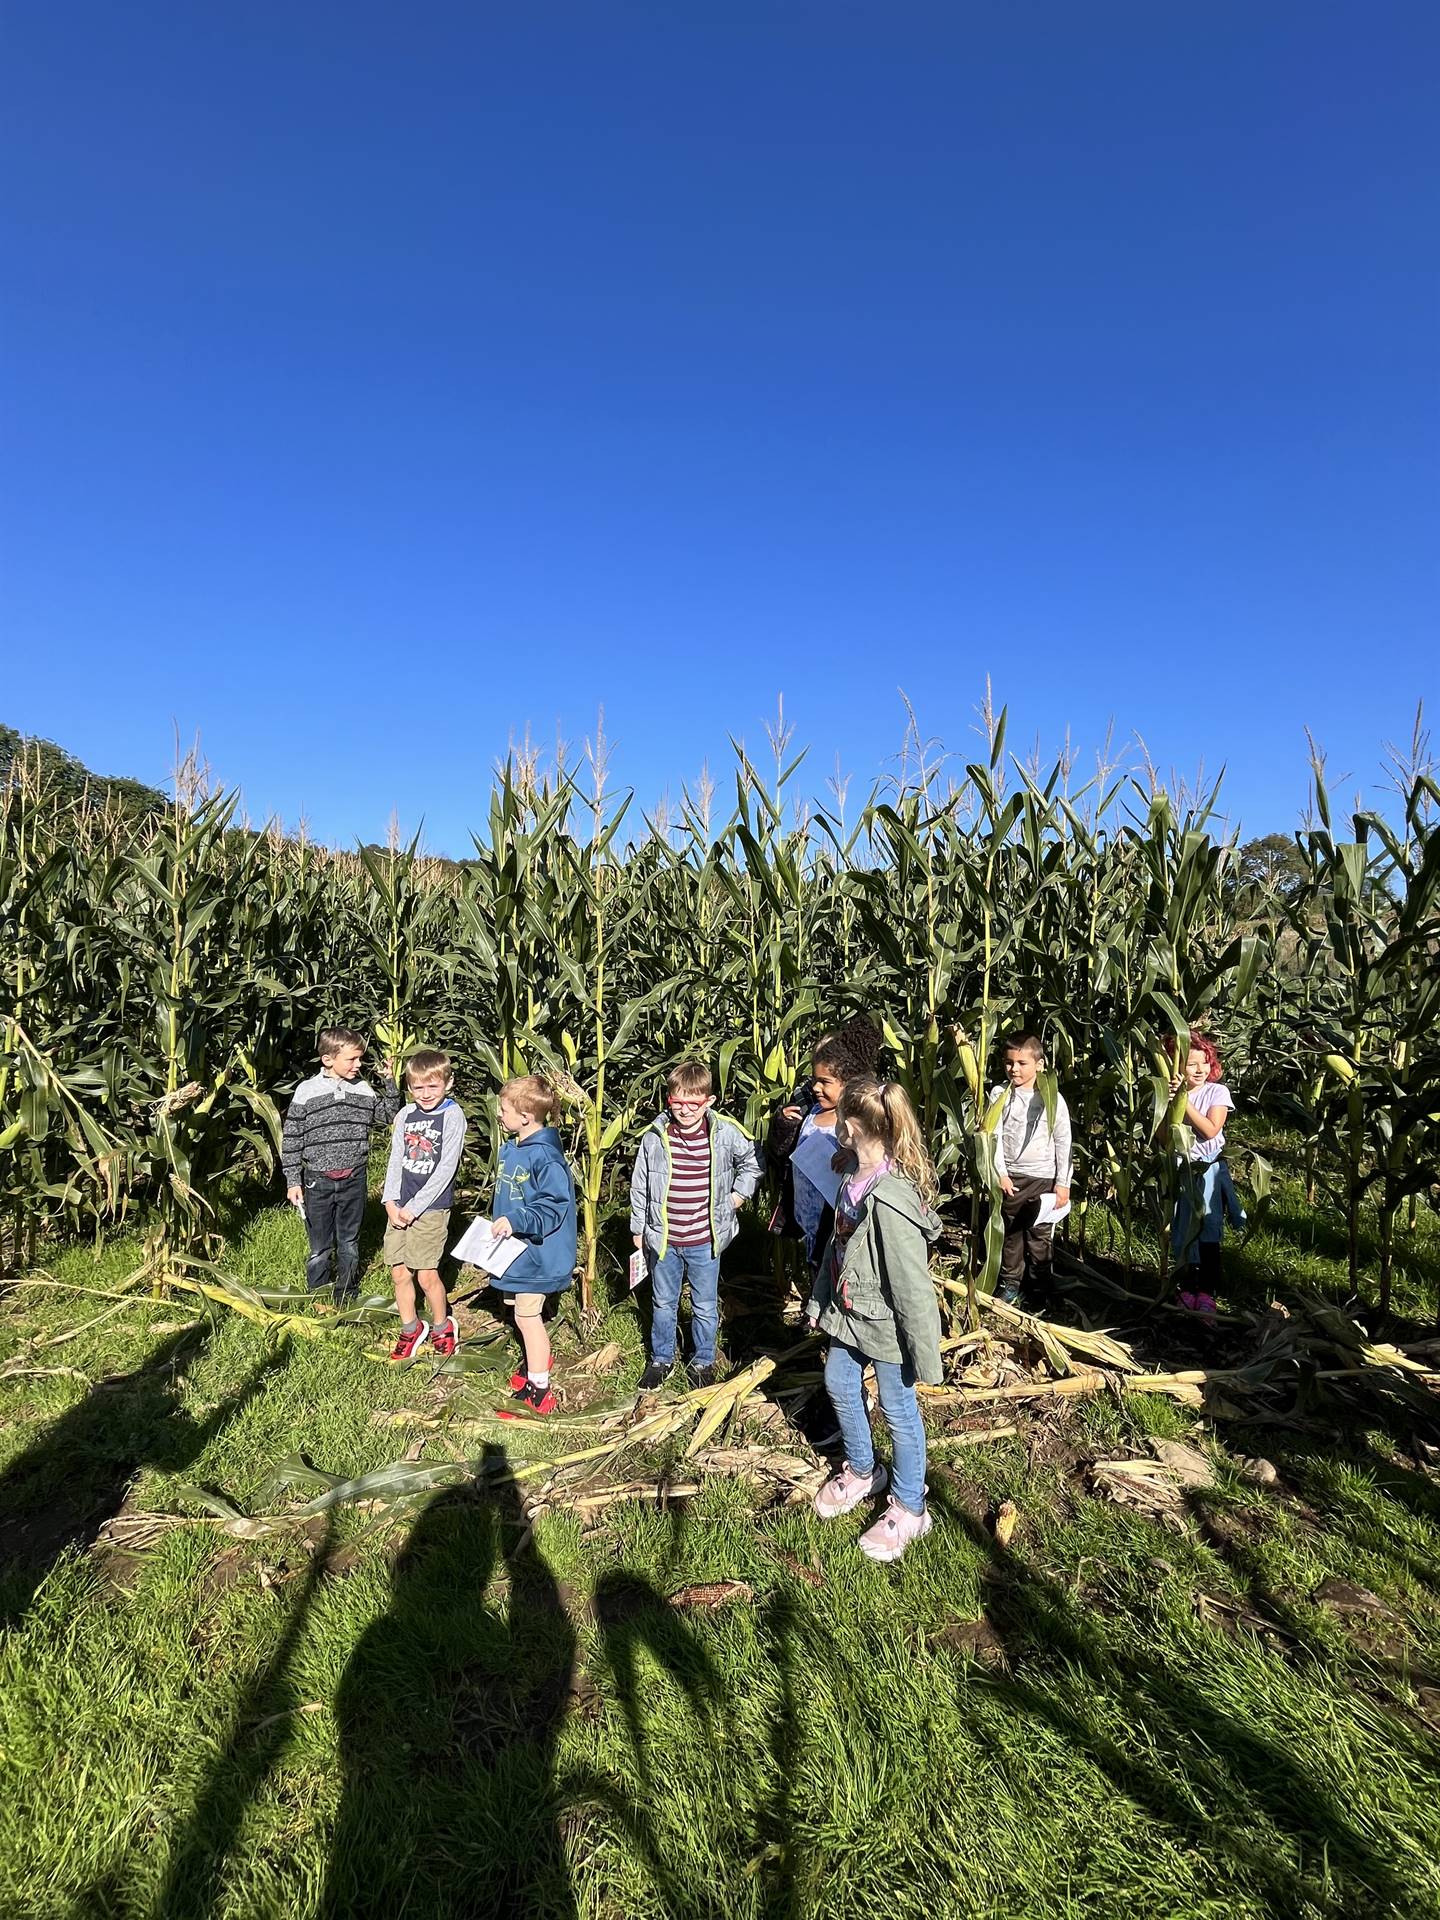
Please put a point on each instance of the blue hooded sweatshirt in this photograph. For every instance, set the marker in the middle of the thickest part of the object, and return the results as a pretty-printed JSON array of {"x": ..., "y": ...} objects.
[{"x": 536, "y": 1194}]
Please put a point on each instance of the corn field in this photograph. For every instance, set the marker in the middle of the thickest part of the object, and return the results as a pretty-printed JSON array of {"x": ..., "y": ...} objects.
[{"x": 166, "y": 980}]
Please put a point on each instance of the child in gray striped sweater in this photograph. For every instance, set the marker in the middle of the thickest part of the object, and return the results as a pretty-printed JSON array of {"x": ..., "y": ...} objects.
[{"x": 324, "y": 1145}]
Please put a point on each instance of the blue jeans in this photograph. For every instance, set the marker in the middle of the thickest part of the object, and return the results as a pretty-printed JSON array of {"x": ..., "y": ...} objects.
[
  {"x": 1210, "y": 1182},
  {"x": 334, "y": 1211},
  {"x": 701, "y": 1268},
  {"x": 844, "y": 1372}
]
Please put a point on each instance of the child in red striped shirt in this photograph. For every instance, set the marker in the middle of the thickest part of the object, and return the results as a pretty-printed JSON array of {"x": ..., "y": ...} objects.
[{"x": 694, "y": 1169}]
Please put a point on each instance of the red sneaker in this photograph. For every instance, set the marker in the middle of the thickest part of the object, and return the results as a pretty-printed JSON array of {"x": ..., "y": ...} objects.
[
  {"x": 517, "y": 1380},
  {"x": 409, "y": 1344},
  {"x": 445, "y": 1338},
  {"x": 531, "y": 1399}
]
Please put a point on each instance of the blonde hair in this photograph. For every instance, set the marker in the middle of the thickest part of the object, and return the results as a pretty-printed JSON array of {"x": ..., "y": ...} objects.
[
  {"x": 882, "y": 1109},
  {"x": 425, "y": 1061},
  {"x": 533, "y": 1094}
]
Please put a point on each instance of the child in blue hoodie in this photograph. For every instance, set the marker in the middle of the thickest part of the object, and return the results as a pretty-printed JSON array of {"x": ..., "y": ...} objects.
[{"x": 534, "y": 1200}]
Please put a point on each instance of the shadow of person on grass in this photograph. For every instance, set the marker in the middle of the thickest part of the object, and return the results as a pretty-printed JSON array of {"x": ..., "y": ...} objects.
[
  {"x": 449, "y": 1712},
  {"x": 636, "y": 1624},
  {"x": 635, "y": 1619},
  {"x": 639, "y": 1630},
  {"x": 1214, "y": 1755},
  {"x": 61, "y": 1491},
  {"x": 260, "y": 1727}
]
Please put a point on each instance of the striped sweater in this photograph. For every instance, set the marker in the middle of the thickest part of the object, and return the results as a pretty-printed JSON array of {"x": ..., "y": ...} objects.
[
  {"x": 689, "y": 1195},
  {"x": 328, "y": 1127},
  {"x": 734, "y": 1171}
]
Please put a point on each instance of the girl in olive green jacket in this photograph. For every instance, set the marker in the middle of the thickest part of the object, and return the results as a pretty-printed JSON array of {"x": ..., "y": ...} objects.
[{"x": 874, "y": 1297}]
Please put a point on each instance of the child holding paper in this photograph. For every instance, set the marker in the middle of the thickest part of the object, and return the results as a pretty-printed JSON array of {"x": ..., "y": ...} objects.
[
  {"x": 1032, "y": 1160},
  {"x": 534, "y": 1201}
]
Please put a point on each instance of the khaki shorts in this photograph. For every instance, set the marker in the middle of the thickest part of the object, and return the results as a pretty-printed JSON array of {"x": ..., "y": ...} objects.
[
  {"x": 420, "y": 1245},
  {"x": 528, "y": 1306}
]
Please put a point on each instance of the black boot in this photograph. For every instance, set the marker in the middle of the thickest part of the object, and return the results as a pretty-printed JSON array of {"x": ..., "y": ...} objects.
[
  {"x": 1036, "y": 1294},
  {"x": 1209, "y": 1251}
]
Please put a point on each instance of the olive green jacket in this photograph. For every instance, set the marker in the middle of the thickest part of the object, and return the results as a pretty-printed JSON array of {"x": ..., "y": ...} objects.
[{"x": 886, "y": 1306}]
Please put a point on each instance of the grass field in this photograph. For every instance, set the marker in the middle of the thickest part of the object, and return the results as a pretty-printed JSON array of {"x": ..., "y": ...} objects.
[{"x": 442, "y": 1711}]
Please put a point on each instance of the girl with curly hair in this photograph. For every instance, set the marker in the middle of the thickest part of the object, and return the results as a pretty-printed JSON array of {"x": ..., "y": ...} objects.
[{"x": 848, "y": 1053}]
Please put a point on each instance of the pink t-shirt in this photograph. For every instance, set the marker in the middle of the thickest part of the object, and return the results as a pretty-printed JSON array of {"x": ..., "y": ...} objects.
[
  {"x": 1214, "y": 1093},
  {"x": 849, "y": 1202}
]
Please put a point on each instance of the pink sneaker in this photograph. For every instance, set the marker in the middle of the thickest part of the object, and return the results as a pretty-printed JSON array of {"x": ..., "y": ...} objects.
[
  {"x": 847, "y": 1489},
  {"x": 893, "y": 1531}
]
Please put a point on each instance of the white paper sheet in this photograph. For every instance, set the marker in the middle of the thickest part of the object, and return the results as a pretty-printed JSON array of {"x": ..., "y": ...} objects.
[
  {"x": 637, "y": 1268},
  {"x": 813, "y": 1157},
  {"x": 1049, "y": 1213},
  {"x": 478, "y": 1247}
]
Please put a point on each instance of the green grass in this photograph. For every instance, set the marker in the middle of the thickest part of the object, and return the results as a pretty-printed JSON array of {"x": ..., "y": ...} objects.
[{"x": 439, "y": 1713}]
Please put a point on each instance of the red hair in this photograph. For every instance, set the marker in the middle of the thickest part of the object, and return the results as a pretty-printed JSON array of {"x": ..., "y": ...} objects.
[{"x": 1199, "y": 1044}]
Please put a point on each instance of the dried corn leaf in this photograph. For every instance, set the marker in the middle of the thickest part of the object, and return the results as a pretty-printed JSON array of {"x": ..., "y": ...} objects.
[
  {"x": 975, "y": 1437},
  {"x": 710, "y": 1594},
  {"x": 662, "y": 1492},
  {"x": 1101, "y": 1347},
  {"x": 751, "y": 1461},
  {"x": 601, "y": 1361}
]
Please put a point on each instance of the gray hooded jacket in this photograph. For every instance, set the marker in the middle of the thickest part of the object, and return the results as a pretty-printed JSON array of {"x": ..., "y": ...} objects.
[{"x": 734, "y": 1168}]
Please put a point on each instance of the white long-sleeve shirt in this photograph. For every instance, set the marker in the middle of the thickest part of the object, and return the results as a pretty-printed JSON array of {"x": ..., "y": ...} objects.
[{"x": 1026, "y": 1148}]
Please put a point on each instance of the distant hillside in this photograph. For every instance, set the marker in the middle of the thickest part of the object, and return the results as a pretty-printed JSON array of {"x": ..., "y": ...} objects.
[{"x": 70, "y": 778}]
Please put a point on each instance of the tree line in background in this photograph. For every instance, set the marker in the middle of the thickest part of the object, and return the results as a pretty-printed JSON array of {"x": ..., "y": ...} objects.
[{"x": 166, "y": 972}]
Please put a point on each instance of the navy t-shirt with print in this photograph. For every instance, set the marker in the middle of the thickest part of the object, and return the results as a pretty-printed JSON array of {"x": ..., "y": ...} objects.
[{"x": 424, "y": 1139}]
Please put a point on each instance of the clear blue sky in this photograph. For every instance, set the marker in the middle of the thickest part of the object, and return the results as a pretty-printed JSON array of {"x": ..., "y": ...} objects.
[{"x": 379, "y": 381}]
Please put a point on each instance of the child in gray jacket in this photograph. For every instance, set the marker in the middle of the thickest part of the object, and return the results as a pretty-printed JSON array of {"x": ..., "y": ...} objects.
[{"x": 693, "y": 1170}]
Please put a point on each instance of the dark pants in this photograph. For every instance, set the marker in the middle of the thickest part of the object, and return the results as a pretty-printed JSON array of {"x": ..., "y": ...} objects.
[
  {"x": 1027, "y": 1247},
  {"x": 333, "y": 1212}
]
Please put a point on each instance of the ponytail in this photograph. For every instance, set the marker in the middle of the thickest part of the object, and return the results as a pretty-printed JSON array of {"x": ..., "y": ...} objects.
[{"x": 883, "y": 1110}]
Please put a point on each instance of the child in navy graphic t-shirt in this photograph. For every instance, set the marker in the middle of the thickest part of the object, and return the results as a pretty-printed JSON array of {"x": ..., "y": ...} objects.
[{"x": 425, "y": 1152}]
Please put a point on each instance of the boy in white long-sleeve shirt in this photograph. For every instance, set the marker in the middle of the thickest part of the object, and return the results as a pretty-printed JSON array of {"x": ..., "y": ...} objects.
[{"x": 1032, "y": 1158}]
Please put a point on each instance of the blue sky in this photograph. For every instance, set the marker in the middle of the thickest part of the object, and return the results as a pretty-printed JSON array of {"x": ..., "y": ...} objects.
[{"x": 379, "y": 383}]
